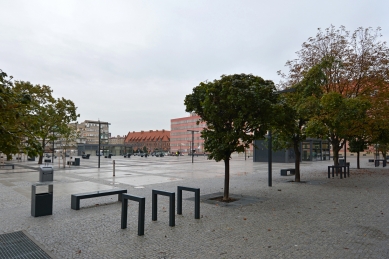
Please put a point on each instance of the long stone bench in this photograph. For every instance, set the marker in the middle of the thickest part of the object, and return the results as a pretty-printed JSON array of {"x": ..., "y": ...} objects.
[
  {"x": 11, "y": 165},
  {"x": 75, "y": 202}
]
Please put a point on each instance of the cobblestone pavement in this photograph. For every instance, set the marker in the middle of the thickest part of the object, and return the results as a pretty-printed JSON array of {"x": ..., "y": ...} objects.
[{"x": 321, "y": 218}]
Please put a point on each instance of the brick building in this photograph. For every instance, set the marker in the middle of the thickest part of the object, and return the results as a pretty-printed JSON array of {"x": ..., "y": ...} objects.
[
  {"x": 153, "y": 140},
  {"x": 181, "y": 135},
  {"x": 89, "y": 131},
  {"x": 118, "y": 140}
]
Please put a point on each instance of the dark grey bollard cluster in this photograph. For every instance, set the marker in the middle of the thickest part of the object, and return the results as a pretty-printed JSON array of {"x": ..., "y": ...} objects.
[
  {"x": 172, "y": 197},
  {"x": 197, "y": 199},
  {"x": 344, "y": 169},
  {"x": 155, "y": 193},
  {"x": 141, "y": 212}
]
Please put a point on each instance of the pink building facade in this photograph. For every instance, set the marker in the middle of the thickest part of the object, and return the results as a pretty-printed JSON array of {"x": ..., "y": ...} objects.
[{"x": 181, "y": 135}]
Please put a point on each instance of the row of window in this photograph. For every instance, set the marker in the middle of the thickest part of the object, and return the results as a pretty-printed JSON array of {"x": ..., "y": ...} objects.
[
  {"x": 183, "y": 122},
  {"x": 149, "y": 143},
  {"x": 189, "y": 138},
  {"x": 189, "y": 127},
  {"x": 183, "y": 133},
  {"x": 196, "y": 145}
]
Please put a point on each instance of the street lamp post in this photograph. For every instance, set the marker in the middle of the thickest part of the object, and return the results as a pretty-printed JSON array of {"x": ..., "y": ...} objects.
[
  {"x": 270, "y": 158},
  {"x": 100, "y": 123},
  {"x": 99, "y": 144},
  {"x": 193, "y": 131},
  {"x": 52, "y": 157}
]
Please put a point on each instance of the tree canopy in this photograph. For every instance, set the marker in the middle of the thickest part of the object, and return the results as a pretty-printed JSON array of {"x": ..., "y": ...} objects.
[
  {"x": 237, "y": 109},
  {"x": 299, "y": 104},
  {"x": 11, "y": 105},
  {"x": 29, "y": 115},
  {"x": 355, "y": 68}
]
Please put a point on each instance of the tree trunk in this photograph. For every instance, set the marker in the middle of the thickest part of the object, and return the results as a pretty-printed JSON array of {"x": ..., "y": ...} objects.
[
  {"x": 64, "y": 160},
  {"x": 297, "y": 161},
  {"x": 41, "y": 153},
  {"x": 226, "y": 179},
  {"x": 383, "y": 154},
  {"x": 335, "y": 151},
  {"x": 358, "y": 160}
]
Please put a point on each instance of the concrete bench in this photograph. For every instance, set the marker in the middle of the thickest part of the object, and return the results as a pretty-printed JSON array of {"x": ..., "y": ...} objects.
[
  {"x": 11, "y": 165},
  {"x": 75, "y": 202},
  {"x": 284, "y": 172}
]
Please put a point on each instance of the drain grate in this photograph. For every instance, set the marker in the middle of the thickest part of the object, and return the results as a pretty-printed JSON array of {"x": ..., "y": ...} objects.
[{"x": 19, "y": 245}]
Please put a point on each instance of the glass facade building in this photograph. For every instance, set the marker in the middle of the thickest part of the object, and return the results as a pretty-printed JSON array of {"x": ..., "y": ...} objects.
[{"x": 311, "y": 150}]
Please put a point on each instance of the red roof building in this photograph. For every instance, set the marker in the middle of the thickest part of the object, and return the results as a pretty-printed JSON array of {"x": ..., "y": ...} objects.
[{"x": 153, "y": 140}]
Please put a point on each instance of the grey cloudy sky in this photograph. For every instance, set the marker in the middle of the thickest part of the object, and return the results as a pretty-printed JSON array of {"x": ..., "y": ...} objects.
[{"x": 131, "y": 63}]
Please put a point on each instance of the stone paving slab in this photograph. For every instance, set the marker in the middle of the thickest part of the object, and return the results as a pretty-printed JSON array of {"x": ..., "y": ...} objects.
[{"x": 322, "y": 218}]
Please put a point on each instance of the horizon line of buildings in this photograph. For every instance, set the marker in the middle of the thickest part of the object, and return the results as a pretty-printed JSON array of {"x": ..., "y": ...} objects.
[{"x": 184, "y": 137}]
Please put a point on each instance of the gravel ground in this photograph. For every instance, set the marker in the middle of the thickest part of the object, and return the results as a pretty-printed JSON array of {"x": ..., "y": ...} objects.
[{"x": 320, "y": 218}]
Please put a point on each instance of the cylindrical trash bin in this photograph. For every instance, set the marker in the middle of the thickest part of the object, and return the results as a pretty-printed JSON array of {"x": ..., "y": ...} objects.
[
  {"x": 46, "y": 173},
  {"x": 41, "y": 203}
]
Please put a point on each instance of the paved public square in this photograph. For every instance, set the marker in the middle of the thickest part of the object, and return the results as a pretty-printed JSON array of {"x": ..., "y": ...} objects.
[{"x": 320, "y": 218}]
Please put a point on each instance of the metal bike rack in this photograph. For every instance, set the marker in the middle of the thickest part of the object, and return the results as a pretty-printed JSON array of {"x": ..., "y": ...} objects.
[
  {"x": 172, "y": 216},
  {"x": 197, "y": 199},
  {"x": 141, "y": 212}
]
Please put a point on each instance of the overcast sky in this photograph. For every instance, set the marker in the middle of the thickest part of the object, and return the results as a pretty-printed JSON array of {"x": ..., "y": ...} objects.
[{"x": 131, "y": 63}]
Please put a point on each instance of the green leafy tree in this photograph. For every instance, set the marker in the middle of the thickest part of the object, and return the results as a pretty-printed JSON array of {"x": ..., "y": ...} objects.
[
  {"x": 11, "y": 105},
  {"x": 357, "y": 67},
  {"x": 68, "y": 139},
  {"x": 145, "y": 150},
  {"x": 380, "y": 138},
  {"x": 299, "y": 103},
  {"x": 43, "y": 116},
  {"x": 237, "y": 109},
  {"x": 357, "y": 145},
  {"x": 337, "y": 120},
  {"x": 359, "y": 61}
]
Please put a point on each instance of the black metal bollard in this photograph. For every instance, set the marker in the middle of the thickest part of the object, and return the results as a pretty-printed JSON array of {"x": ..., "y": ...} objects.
[
  {"x": 172, "y": 198},
  {"x": 141, "y": 212},
  {"x": 197, "y": 199}
]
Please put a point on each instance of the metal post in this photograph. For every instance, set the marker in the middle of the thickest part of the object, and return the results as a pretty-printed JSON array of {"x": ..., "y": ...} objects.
[
  {"x": 52, "y": 158},
  {"x": 154, "y": 200},
  {"x": 141, "y": 212},
  {"x": 269, "y": 159},
  {"x": 191, "y": 150},
  {"x": 113, "y": 167},
  {"x": 345, "y": 142},
  {"x": 141, "y": 217},
  {"x": 124, "y": 213},
  {"x": 197, "y": 199},
  {"x": 197, "y": 204},
  {"x": 172, "y": 207},
  {"x": 99, "y": 143},
  {"x": 172, "y": 210},
  {"x": 193, "y": 131}
]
